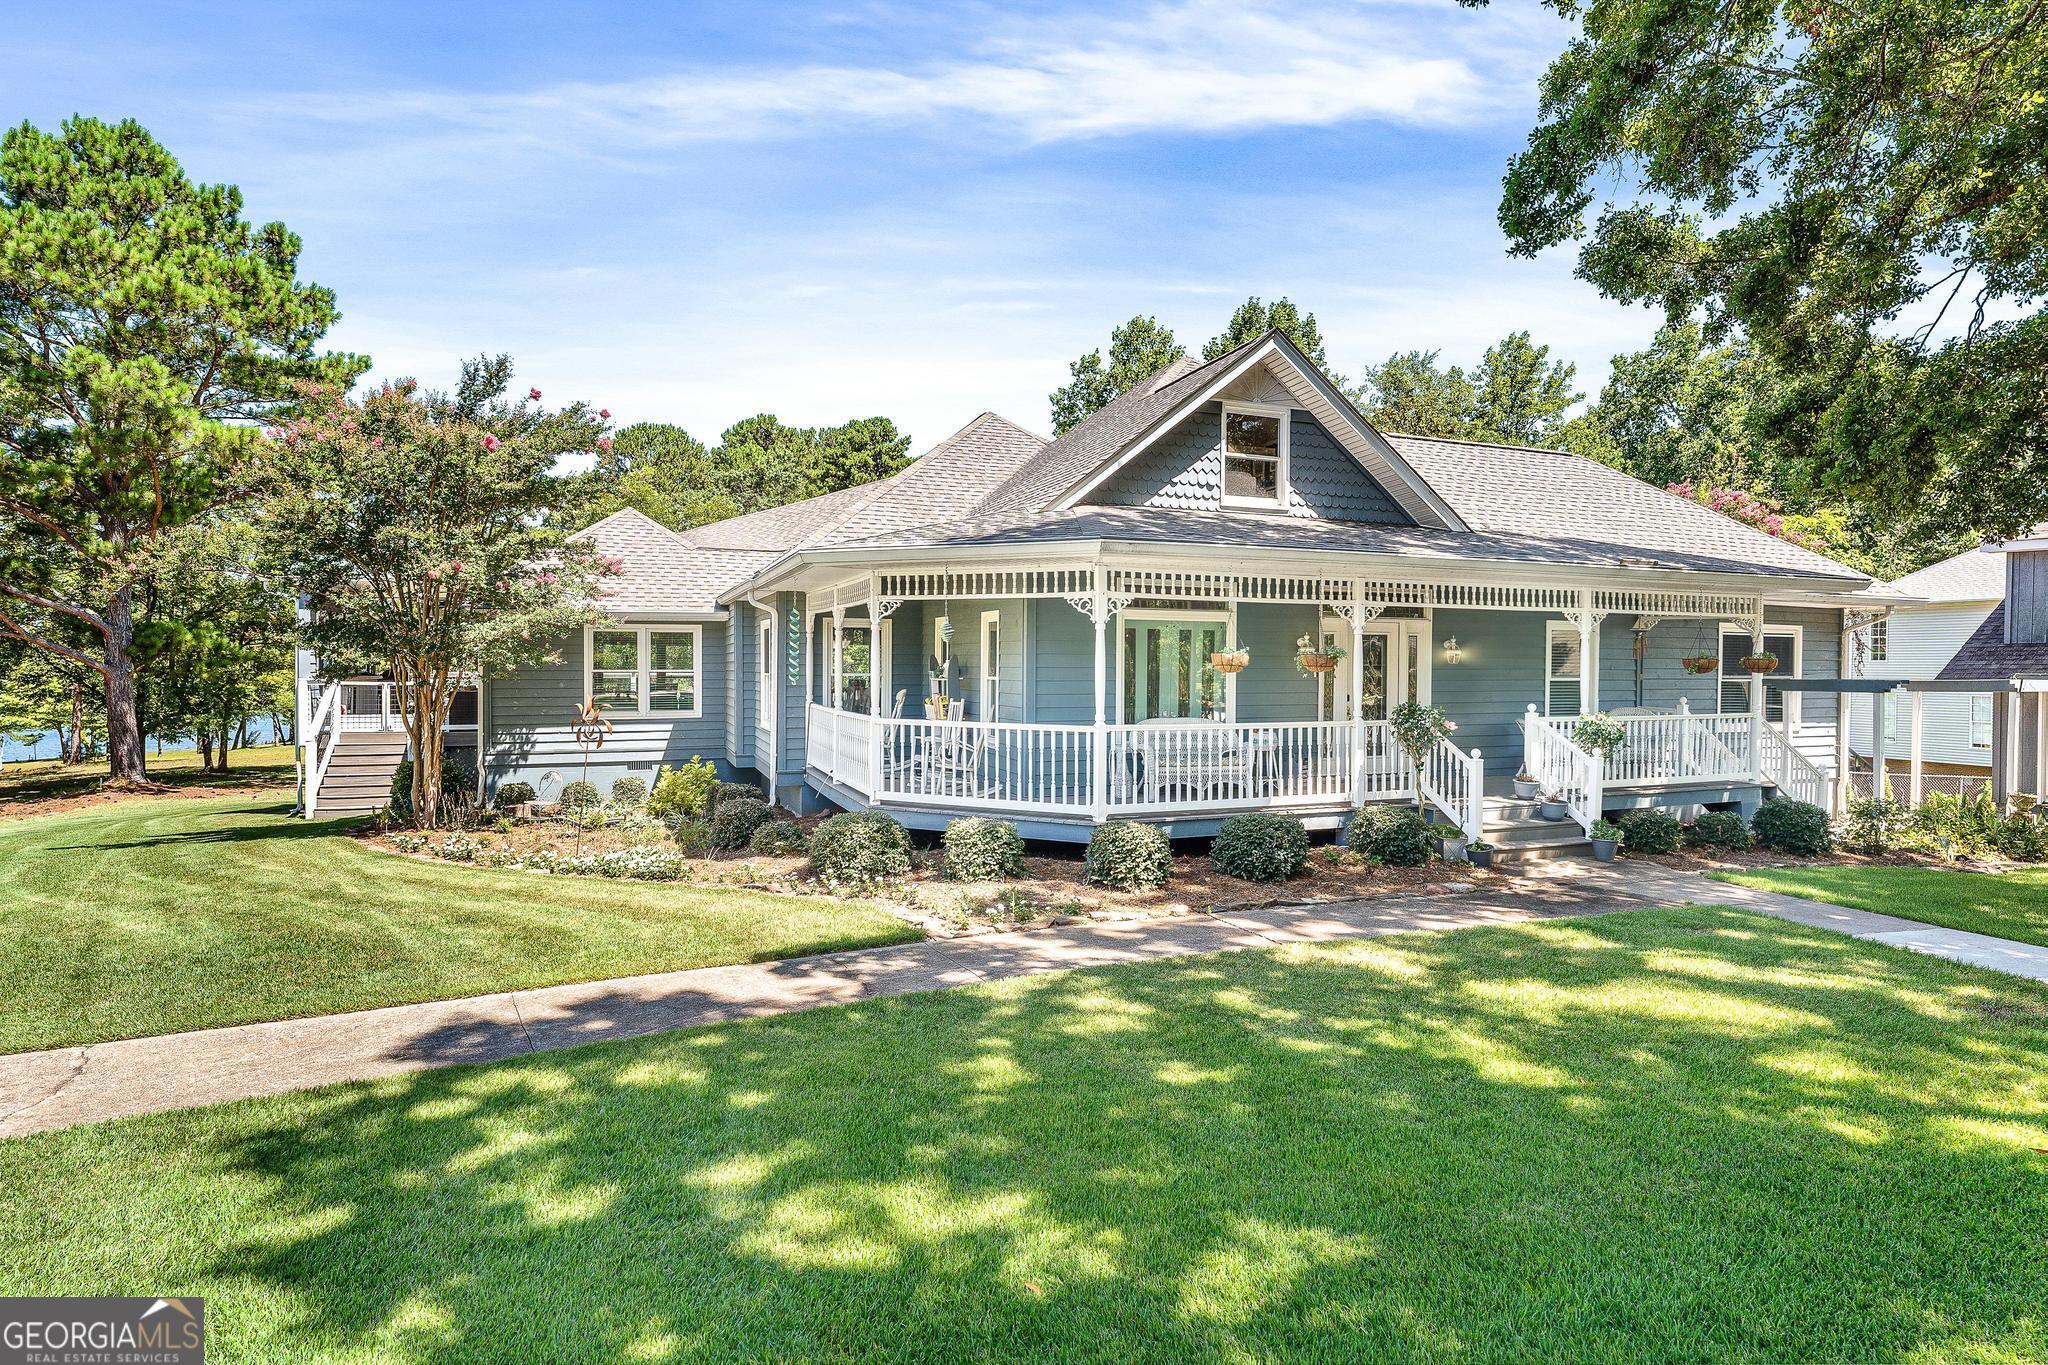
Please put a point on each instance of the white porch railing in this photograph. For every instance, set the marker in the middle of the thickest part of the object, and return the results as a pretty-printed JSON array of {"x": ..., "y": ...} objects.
[
  {"x": 319, "y": 733},
  {"x": 998, "y": 766},
  {"x": 1793, "y": 772},
  {"x": 1198, "y": 766},
  {"x": 1566, "y": 772},
  {"x": 1455, "y": 783},
  {"x": 1677, "y": 748}
]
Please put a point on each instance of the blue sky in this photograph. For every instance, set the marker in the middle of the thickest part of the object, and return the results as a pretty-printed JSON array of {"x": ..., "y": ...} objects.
[{"x": 696, "y": 212}]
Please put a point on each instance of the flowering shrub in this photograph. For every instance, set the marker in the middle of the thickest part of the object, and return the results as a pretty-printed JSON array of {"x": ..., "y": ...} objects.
[
  {"x": 1765, "y": 514},
  {"x": 1601, "y": 734},
  {"x": 1418, "y": 729}
]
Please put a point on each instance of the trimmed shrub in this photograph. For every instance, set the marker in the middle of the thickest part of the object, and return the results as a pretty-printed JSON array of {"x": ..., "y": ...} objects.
[
  {"x": 1720, "y": 829},
  {"x": 511, "y": 794},
  {"x": 1876, "y": 826},
  {"x": 779, "y": 838},
  {"x": 456, "y": 782},
  {"x": 1397, "y": 836},
  {"x": 721, "y": 791},
  {"x": 578, "y": 797},
  {"x": 860, "y": 846},
  {"x": 736, "y": 819},
  {"x": 682, "y": 791},
  {"x": 1129, "y": 856},
  {"x": 1650, "y": 831},
  {"x": 1260, "y": 847},
  {"x": 1791, "y": 826},
  {"x": 630, "y": 792},
  {"x": 979, "y": 850},
  {"x": 2023, "y": 837}
]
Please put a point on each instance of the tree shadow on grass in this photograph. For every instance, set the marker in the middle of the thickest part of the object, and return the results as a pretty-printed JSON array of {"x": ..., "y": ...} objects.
[
  {"x": 276, "y": 826},
  {"x": 1671, "y": 1133}
]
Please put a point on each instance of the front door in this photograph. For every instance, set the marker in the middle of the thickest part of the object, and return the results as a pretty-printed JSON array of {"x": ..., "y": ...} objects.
[
  {"x": 1380, "y": 671},
  {"x": 1166, "y": 671}
]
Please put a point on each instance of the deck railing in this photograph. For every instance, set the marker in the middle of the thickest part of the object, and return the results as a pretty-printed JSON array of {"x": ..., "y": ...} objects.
[
  {"x": 1455, "y": 783},
  {"x": 1566, "y": 772},
  {"x": 1794, "y": 773},
  {"x": 1678, "y": 748}
]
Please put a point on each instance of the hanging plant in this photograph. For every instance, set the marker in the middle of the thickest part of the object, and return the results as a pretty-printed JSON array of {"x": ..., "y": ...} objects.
[
  {"x": 1764, "y": 662},
  {"x": 1700, "y": 663},
  {"x": 1311, "y": 658},
  {"x": 1230, "y": 660}
]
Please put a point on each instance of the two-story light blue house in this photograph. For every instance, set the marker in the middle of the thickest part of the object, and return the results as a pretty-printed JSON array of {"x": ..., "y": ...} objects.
[{"x": 1112, "y": 625}]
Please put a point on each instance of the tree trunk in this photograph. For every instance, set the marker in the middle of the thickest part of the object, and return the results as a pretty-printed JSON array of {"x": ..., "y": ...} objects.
[
  {"x": 202, "y": 739},
  {"x": 424, "y": 702},
  {"x": 127, "y": 760}
]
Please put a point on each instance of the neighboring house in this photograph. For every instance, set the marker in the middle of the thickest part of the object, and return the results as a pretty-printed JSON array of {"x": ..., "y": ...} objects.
[
  {"x": 2007, "y": 657},
  {"x": 1026, "y": 629},
  {"x": 1917, "y": 642}
]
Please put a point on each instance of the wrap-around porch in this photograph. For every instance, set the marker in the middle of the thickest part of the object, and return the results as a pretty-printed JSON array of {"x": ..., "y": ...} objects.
[{"x": 1073, "y": 696}]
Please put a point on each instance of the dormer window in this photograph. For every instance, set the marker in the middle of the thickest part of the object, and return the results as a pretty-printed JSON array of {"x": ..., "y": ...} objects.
[{"x": 1254, "y": 456}]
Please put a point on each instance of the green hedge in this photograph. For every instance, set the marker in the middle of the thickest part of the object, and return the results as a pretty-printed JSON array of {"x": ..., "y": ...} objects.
[
  {"x": 979, "y": 850},
  {"x": 720, "y": 791},
  {"x": 510, "y": 794},
  {"x": 1129, "y": 856},
  {"x": 860, "y": 846},
  {"x": 779, "y": 838},
  {"x": 736, "y": 819},
  {"x": 1396, "y": 836},
  {"x": 630, "y": 792},
  {"x": 1792, "y": 826},
  {"x": 581, "y": 796},
  {"x": 1261, "y": 847},
  {"x": 1650, "y": 831},
  {"x": 1720, "y": 829}
]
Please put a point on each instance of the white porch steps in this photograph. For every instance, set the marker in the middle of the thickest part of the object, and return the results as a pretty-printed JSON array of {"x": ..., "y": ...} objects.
[
  {"x": 358, "y": 777},
  {"x": 1521, "y": 836}
]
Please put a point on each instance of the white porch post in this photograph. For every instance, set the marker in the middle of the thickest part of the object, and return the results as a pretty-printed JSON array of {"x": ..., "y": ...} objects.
[
  {"x": 1915, "y": 723},
  {"x": 1098, "y": 778},
  {"x": 2012, "y": 702},
  {"x": 1358, "y": 691},
  {"x": 1838, "y": 790},
  {"x": 1756, "y": 696},
  {"x": 1688, "y": 737},
  {"x": 1881, "y": 707},
  {"x": 878, "y": 685},
  {"x": 1589, "y": 680},
  {"x": 2041, "y": 743}
]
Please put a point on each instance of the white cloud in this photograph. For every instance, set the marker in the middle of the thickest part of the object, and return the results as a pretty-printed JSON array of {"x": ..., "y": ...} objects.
[{"x": 1203, "y": 66}]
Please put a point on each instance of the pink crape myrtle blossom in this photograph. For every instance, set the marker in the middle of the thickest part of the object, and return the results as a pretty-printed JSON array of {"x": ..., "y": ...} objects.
[
  {"x": 605, "y": 413},
  {"x": 604, "y": 443},
  {"x": 490, "y": 443},
  {"x": 534, "y": 394}
]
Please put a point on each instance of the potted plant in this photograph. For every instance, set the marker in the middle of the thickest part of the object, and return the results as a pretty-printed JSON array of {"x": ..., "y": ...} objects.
[
  {"x": 1600, "y": 734},
  {"x": 1761, "y": 662},
  {"x": 1551, "y": 806},
  {"x": 1700, "y": 663},
  {"x": 1311, "y": 657},
  {"x": 1234, "y": 660},
  {"x": 1606, "y": 839},
  {"x": 1419, "y": 728},
  {"x": 1527, "y": 788},
  {"x": 1450, "y": 845},
  {"x": 1479, "y": 853}
]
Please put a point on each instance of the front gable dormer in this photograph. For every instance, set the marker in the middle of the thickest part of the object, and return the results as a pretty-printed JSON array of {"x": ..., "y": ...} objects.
[{"x": 1251, "y": 448}]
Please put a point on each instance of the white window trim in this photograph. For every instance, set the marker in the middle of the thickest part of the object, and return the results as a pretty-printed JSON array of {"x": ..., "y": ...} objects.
[
  {"x": 644, "y": 684},
  {"x": 942, "y": 650},
  {"x": 991, "y": 666},
  {"x": 1878, "y": 643},
  {"x": 1189, "y": 614},
  {"x": 1551, "y": 630},
  {"x": 1990, "y": 721},
  {"x": 1798, "y": 634},
  {"x": 1283, "y": 482}
]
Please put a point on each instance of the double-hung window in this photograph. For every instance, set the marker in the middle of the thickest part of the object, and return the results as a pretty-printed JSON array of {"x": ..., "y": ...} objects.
[
  {"x": 1880, "y": 641},
  {"x": 1254, "y": 456},
  {"x": 991, "y": 663},
  {"x": 645, "y": 670},
  {"x": 1980, "y": 720}
]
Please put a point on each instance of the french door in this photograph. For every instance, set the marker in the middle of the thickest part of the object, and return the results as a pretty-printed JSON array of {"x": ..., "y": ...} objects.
[
  {"x": 1165, "y": 669},
  {"x": 1382, "y": 673}
]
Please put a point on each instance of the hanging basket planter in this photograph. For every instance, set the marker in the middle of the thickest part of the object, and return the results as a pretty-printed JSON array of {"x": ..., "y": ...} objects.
[
  {"x": 1317, "y": 662},
  {"x": 1230, "y": 660},
  {"x": 1766, "y": 662},
  {"x": 1700, "y": 663}
]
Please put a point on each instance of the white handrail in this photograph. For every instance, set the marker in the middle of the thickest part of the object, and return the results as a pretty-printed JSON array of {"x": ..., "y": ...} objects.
[
  {"x": 1792, "y": 772},
  {"x": 326, "y": 718},
  {"x": 1455, "y": 783},
  {"x": 1565, "y": 771}
]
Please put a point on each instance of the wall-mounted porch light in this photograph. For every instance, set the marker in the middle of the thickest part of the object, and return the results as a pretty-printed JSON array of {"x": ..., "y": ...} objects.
[{"x": 1453, "y": 654}]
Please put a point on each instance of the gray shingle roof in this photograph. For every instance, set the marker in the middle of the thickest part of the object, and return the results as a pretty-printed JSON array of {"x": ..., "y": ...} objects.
[
  {"x": 1976, "y": 575},
  {"x": 1530, "y": 492},
  {"x": 1986, "y": 657},
  {"x": 663, "y": 575},
  {"x": 943, "y": 484},
  {"x": 1255, "y": 531}
]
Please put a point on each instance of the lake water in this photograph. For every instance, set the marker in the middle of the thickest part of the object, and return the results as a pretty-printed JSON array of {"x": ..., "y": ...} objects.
[{"x": 49, "y": 744}]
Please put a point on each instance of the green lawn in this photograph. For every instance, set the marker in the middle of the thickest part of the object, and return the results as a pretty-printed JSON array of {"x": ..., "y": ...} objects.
[
  {"x": 1667, "y": 1134},
  {"x": 2011, "y": 905},
  {"x": 268, "y": 765},
  {"x": 153, "y": 916}
]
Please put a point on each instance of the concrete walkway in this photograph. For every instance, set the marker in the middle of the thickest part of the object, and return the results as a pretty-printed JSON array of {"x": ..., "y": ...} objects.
[{"x": 64, "y": 1086}]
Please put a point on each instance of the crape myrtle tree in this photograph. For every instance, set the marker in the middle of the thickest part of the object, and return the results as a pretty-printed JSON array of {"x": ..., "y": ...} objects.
[
  {"x": 1859, "y": 190},
  {"x": 416, "y": 523},
  {"x": 145, "y": 328}
]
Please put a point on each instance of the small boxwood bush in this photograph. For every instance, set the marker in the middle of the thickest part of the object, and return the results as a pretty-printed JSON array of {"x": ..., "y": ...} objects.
[
  {"x": 1261, "y": 847},
  {"x": 630, "y": 792},
  {"x": 736, "y": 819},
  {"x": 1397, "y": 836},
  {"x": 721, "y": 791},
  {"x": 860, "y": 846},
  {"x": 1721, "y": 829},
  {"x": 581, "y": 796},
  {"x": 683, "y": 791},
  {"x": 1129, "y": 856},
  {"x": 457, "y": 781},
  {"x": 1650, "y": 831},
  {"x": 1791, "y": 826},
  {"x": 979, "y": 850},
  {"x": 779, "y": 838},
  {"x": 510, "y": 794}
]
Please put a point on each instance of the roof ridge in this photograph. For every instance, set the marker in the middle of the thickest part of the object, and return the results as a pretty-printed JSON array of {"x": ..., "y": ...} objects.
[{"x": 1491, "y": 445}]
